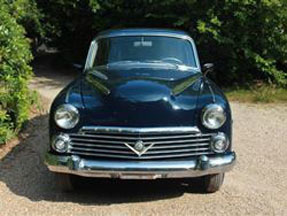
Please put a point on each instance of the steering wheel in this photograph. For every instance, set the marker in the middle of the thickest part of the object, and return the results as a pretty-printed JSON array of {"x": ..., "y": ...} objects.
[{"x": 172, "y": 59}]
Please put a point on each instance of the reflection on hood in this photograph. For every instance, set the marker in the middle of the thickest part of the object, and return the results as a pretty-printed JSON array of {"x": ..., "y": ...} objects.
[{"x": 176, "y": 81}]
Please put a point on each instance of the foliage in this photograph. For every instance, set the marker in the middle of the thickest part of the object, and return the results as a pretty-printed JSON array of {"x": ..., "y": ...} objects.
[
  {"x": 27, "y": 14},
  {"x": 246, "y": 39},
  {"x": 252, "y": 36},
  {"x": 14, "y": 74},
  {"x": 68, "y": 24}
]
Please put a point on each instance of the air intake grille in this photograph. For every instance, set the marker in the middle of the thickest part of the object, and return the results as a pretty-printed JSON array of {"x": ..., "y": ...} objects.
[{"x": 156, "y": 143}]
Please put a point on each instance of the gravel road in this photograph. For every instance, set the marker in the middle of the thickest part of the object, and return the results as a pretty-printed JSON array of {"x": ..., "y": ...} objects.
[{"x": 256, "y": 186}]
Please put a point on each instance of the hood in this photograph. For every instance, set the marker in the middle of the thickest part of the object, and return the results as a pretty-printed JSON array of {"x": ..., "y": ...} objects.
[{"x": 140, "y": 97}]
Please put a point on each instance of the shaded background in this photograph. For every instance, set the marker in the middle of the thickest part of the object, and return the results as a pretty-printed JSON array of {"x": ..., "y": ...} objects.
[{"x": 246, "y": 40}]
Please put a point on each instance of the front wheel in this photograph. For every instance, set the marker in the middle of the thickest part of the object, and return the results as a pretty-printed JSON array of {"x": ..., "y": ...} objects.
[{"x": 212, "y": 183}]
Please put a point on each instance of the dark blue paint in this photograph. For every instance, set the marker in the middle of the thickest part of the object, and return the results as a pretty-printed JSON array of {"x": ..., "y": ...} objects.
[{"x": 141, "y": 97}]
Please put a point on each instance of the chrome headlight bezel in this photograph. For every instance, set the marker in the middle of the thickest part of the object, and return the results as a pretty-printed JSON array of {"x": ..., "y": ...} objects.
[
  {"x": 215, "y": 108},
  {"x": 65, "y": 139},
  {"x": 71, "y": 111},
  {"x": 222, "y": 138}
]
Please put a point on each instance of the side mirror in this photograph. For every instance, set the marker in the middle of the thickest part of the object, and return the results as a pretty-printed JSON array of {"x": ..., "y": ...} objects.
[
  {"x": 207, "y": 68},
  {"x": 78, "y": 66}
]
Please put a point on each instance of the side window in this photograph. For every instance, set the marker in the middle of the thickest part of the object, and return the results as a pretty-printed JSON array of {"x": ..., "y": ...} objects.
[
  {"x": 190, "y": 54},
  {"x": 102, "y": 52}
]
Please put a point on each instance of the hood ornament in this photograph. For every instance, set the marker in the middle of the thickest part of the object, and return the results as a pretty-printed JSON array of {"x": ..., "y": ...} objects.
[{"x": 139, "y": 147}]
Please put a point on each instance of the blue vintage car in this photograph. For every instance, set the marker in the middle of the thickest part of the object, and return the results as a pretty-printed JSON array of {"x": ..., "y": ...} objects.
[{"x": 142, "y": 108}]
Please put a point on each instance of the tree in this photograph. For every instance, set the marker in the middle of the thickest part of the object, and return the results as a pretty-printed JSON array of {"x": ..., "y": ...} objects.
[{"x": 246, "y": 39}]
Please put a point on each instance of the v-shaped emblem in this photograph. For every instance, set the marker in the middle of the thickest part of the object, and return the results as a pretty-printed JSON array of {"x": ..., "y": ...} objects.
[{"x": 139, "y": 148}]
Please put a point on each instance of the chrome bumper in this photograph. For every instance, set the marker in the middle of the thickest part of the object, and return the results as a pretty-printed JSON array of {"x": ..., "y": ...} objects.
[{"x": 200, "y": 166}]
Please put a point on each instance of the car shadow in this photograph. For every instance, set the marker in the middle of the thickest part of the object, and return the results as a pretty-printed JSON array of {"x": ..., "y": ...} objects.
[{"x": 23, "y": 172}]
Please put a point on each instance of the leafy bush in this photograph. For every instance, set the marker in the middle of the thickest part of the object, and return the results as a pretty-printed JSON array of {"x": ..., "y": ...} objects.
[
  {"x": 249, "y": 38},
  {"x": 246, "y": 39},
  {"x": 27, "y": 14},
  {"x": 14, "y": 74}
]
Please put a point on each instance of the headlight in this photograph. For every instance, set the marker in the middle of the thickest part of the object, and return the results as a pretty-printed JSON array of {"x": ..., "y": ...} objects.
[
  {"x": 66, "y": 116},
  {"x": 213, "y": 116}
]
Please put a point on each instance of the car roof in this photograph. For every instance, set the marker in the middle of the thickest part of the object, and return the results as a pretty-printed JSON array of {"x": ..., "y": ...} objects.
[{"x": 143, "y": 32}]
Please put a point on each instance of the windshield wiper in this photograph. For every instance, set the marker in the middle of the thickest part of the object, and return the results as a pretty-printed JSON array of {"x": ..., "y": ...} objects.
[
  {"x": 178, "y": 66},
  {"x": 153, "y": 61}
]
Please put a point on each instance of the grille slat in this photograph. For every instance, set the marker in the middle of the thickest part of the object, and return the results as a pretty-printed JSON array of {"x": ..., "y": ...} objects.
[
  {"x": 103, "y": 150},
  {"x": 180, "y": 146},
  {"x": 175, "y": 151},
  {"x": 83, "y": 145},
  {"x": 96, "y": 141},
  {"x": 181, "y": 141},
  {"x": 109, "y": 143}
]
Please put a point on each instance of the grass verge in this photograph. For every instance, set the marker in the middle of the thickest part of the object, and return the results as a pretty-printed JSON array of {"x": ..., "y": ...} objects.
[{"x": 257, "y": 94}]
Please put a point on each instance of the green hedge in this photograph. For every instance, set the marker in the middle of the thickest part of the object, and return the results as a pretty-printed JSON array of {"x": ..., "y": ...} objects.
[{"x": 15, "y": 72}]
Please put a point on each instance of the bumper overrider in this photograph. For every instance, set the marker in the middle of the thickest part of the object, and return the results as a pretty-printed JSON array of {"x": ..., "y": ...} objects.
[{"x": 198, "y": 166}]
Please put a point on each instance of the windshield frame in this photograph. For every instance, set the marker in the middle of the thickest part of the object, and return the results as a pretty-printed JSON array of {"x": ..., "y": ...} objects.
[{"x": 94, "y": 46}]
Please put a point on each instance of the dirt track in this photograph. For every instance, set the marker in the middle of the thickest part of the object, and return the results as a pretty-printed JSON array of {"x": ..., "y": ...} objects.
[{"x": 257, "y": 185}]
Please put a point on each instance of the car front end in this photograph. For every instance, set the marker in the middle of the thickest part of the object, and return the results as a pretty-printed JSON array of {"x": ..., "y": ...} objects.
[{"x": 141, "y": 120}]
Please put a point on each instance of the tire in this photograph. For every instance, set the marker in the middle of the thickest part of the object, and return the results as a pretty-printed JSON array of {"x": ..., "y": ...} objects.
[
  {"x": 65, "y": 182},
  {"x": 212, "y": 183}
]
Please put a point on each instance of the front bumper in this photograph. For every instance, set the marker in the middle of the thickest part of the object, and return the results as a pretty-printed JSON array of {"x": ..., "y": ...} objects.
[{"x": 196, "y": 167}]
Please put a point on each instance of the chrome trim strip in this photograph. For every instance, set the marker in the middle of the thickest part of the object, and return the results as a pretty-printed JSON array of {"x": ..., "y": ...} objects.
[
  {"x": 212, "y": 93},
  {"x": 151, "y": 157},
  {"x": 160, "y": 34},
  {"x": 91, "y": 55},
  {"x": 133, "y": 130},
  {"x": 198, "y": 166}
]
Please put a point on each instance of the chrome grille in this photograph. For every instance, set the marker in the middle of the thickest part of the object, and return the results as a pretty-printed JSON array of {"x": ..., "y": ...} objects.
[{"x": 109, "y": 142}]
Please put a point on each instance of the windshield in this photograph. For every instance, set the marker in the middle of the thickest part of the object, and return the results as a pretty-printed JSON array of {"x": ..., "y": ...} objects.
[{"x": 144, "y": 49}]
